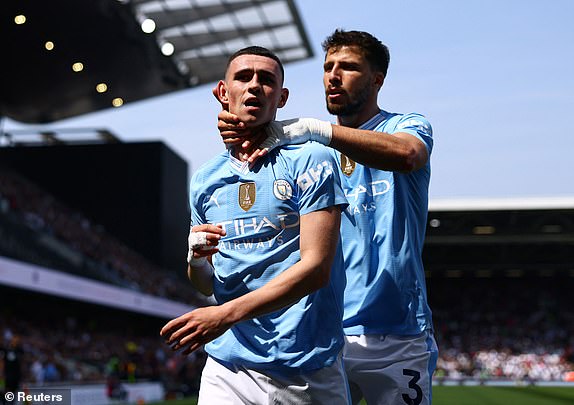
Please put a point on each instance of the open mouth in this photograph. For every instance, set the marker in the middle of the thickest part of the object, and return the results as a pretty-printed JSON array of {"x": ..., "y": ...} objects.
[{"x": 253, "y": 102}]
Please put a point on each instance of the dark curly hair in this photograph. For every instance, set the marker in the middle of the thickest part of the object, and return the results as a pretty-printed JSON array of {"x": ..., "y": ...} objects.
[{"x": 374, "y": 50}]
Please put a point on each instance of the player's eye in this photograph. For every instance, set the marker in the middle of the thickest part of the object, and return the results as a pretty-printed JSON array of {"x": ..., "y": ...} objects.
[
  {"x": 267, "y": 80},
  {"x": 243, "y": 76},
  {"x": 350, "y": 66}
]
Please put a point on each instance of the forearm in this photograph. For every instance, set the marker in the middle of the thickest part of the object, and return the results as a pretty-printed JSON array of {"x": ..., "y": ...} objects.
[
  {"x": 399, "y": 151},
  {"x": 200, "y": 275},
  {"x": 202, "y": 244},
  {"x": 379, "y": 150},
  {"x": 306, "y": 276},
  {"x": 299, "y": 280},
  {"x": 195, "y": 328}
]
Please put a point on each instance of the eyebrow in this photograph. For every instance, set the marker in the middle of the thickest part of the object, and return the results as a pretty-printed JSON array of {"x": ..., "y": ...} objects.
[
  {"x": 343, "y": 63},
  {"x": 261, "y": 72}
]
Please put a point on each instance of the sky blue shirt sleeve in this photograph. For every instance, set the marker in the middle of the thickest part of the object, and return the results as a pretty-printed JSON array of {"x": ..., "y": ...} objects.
[
  {"x": 317, "y": 180},
  {"x": 195, "y": 204},
  {"x": 417, "y": 125}
]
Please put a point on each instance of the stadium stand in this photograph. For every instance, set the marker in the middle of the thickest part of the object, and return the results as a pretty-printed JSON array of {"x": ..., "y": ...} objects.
[
  {"x": 518, "y": 329},
  {"x": 81, "y": 343},
  {"x": 72, "y": 342},
  {"x": 41, "y": 230},
  {"x": 500, "y": 278},
  {"x": 504, "y": 328}
]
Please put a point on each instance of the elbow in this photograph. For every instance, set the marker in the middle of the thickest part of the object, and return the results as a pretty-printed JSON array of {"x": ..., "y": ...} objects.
[
  {"x": 204, "y": 287},
  {"x": 321, "y": 277},
  {"x": 412, "y": 160},
  {"x": 206, "y": 291}
]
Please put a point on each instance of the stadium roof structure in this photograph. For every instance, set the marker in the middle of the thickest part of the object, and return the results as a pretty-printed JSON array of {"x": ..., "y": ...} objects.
[
  {"x": 500, "y": 236},
  {"x": 502, "y": 203},
  {"x": 67, "y": 58}
]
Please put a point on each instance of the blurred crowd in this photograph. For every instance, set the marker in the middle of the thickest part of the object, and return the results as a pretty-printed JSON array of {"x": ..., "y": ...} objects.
[
  {"x": 493, "y": 364},
  {"x": 51, "y": 350},
  {"x": 111, "y": 260},
  {"x": 483, "y": 331},
  {"x": 504, "y": 328},
  {"x": 53, "y": 345}
]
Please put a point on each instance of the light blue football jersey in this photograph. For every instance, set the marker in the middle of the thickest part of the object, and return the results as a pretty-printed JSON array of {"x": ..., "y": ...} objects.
[
  {"x": 260, "y": 208},
  {"x": 382, "y": 232}
]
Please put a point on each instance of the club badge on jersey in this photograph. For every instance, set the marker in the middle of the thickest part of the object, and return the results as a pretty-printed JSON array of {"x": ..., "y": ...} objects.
[{"x": 282, "y": 190}]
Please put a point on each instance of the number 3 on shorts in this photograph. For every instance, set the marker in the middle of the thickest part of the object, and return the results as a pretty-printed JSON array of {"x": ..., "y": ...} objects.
[{"x": 413, "y": 386}]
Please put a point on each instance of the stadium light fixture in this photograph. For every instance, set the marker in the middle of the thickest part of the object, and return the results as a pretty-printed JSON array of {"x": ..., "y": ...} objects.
[
  {"x": 182, "y": 67},
  {"x": 20, "y": 19},
  {"x": 167, "y": 48},
  {"x": 201, "y": 35},
  {"x": 484, "y": 230},
  {"x": 101, "y": 87},
  {"x": 78, "y": 67},
  {"x": 118, "y": 102},
  {"x": 148, "y": 25}
]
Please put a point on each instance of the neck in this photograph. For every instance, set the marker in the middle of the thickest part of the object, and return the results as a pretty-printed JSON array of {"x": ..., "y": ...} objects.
[
  {"x": 256, "y": 136},
  {"x": 359, "y": 118},
  {"x": 238, "y": 153}
]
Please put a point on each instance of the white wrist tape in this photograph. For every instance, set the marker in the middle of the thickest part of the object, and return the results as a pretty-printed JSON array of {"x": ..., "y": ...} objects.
[
  {"x": 297, "y": 131},
  {"x": 320, "y": 131},
  {"x": 196, "y": 241}
]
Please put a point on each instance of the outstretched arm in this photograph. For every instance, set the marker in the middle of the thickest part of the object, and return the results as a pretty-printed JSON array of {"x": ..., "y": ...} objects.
[
  {"x": 400, "y": 151},
  {"x": 311, "y": 273}
]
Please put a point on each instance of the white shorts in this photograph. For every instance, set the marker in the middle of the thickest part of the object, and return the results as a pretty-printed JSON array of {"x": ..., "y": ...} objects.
[
  {"x": 390, "y": 369},
  {"x": 223, "y": 386}
]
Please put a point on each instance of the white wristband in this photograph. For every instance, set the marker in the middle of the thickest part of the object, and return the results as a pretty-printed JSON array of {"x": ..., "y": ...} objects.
[
  {"x": 321, "y": 131},
  {"x": 195, "y": 240},
  {"x": 303, "y": 129},
  {"x": 297, "y": 131},
  {"x": 201, "y": 275}
]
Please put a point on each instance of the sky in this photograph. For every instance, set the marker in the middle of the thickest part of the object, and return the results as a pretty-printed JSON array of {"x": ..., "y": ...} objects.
[{"x": 494, "y": 78}]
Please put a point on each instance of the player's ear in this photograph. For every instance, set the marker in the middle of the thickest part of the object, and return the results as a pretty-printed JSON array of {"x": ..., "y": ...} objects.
[
  {"x": 284, "y": 97},
  {"x": 379, "y": 79},
  {"x": 220, "y": 93}
]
